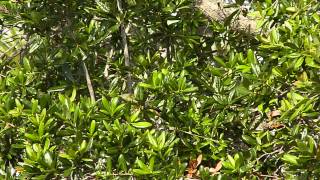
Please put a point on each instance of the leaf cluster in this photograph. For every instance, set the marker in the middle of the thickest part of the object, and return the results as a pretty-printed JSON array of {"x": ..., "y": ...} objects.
[{"x": 248, "y": 105}]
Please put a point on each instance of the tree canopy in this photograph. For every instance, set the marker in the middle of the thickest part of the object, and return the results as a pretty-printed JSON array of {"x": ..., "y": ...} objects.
[{"x": 159, "y": 89}]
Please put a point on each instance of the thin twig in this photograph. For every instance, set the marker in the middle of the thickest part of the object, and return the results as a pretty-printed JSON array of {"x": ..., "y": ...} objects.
[
  {"x": 168, "y": 53},
  {"x": 124, "y": 174},
  {"x": 267, "y": 176},
  {"x": 268, "y": 154},
  {"x": 196, "y": 135},
  {"x": 106, "y": 69},
  {"x": 83, "y": 64},
  {"x": 89, "y": 84},
  {"x": 278, "y": 169}
]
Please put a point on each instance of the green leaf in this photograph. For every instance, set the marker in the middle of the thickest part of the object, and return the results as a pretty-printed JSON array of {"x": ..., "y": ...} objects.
[
  {"x": 316, "y": 17},
  {"x": 83, "y": 146},
  {"x": 310, "y": 62},
  {"x": 102, "y": 6},
  {"x": 291, "y": 159},
  {"x": 256, "y": 69},
  {"x": 105, "y": 102},
  {"x": 249, "y": 140},
  {"x": 293, "y": 55},
  {"x": 298, "y": 63},
  {"x": 228, "y": 165},
  {"x": 41, "y": 129},
  {"x": 238, "y": 160},
  {"x": 57, "y": 88},
  {"x": 68, "y": 172},
  {"x": 91, "y": 25},
  {"x": 128, "y": 97},
  {"x": 228, "y": 20},
  {"x": 288, "y": 25},
  {"x": 32, "y": 155},
  {"x": 35, "y": 46},
  {"x": 263, "y": 39},
  {"x": 142, "y": 171},
  {"x": 145, "y": 85},
  {"x": 141, "y": 124},
  {"x": 151, "y": 162},
  {"x": 109, "y": 165},
  {"x": 122, "y": 163},
  {"x": 300, "y": 107},
  {"x": 274, "y": 36},
  {"x": 106, "y": 35},
  {"x": 276, "y": 71},
  {"x": 26, "y": 64},
  {"x": 142, "y": 165},
  {"x": 251, "y": 57},
  {"x": 152, "y": 140},
  {"x": 73, "y": 95},
  {"x": 216, "y": 71},
  {"x": 18, "y": 104},
  {"x": 220, "y": 61},
  {"x": 162, "y": 140},
  {"x": 242, "y": 91},
  {"x": 92, "y": 127},
  {"x": 43, "y": 114},
  {"x": 189, "y": 90},
  {"x": 291, "y": 9},
  {"x": 48, "y": 159},
  {"x": 170, "y": 22},
  {"x": 232, "y": 161},
  {"x": 87, "y": 159},
  {"x": 34, "y": 106},
  {"x": 46, "y": 145},
  {"x": 65, "y": 156},
  {"x": 134, "y": 116},
  {"x": 33, "y": 137}
]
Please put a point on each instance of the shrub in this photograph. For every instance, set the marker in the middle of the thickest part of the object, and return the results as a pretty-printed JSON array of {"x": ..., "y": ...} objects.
[{"x": 155, "y": 90}]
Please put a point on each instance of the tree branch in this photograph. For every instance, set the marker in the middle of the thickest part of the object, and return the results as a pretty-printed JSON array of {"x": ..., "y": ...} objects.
[
  {"x": 89, "y": 84},
  {"x": 215, "y": 10},
  {"x": 106, "y": 69},
  {"x": 125, "y": 47}
]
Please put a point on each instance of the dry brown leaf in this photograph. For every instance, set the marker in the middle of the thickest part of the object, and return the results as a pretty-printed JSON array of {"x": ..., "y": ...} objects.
[
  {"x": 9, "y": 125},
  {"x": 216, "y": 169},
  {"x": 192, "y": 167},
  {"x": 199, "y": 159},
  {"x": 272, "y": 125},
  {"x": 19, "y": 169},
  {"x": 274, "y": 113}
]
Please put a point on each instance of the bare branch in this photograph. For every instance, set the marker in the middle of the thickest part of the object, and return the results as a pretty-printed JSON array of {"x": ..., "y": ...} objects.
[
  {"x": 271, "y": 153},
  {"x": 89, "y": 84},
  {"x": 125, "y": 47},
  {"x": 106, "y": 69}
]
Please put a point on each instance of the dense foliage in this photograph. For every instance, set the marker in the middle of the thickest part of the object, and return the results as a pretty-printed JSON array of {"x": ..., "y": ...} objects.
[{"x": 97, "y": 89}]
